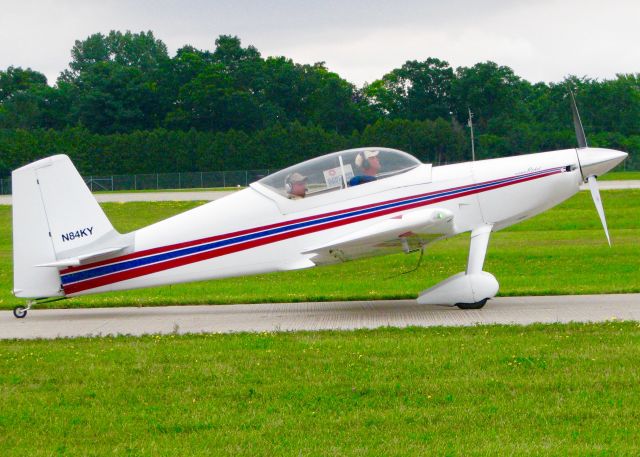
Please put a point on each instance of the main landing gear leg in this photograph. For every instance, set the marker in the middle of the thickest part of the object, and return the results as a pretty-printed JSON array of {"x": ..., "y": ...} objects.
[
  {"x": 477, "y": 252},
  {"x": 469, "y": 289}
]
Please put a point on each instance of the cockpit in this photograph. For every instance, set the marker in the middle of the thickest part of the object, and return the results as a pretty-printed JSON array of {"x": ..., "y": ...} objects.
[{"x": 339, "y": 170}]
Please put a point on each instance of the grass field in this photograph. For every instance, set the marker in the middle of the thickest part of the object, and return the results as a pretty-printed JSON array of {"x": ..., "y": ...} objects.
[
  {"x": 489, "y": 390},
  {"x": 562, "y": 251},
  {"x": 620, "y": 175},
  {"x": 495, "y": 390}
]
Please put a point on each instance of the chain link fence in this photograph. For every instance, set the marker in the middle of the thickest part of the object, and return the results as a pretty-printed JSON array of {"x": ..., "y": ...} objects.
[
  {"x": 164, "y": 181},
  {"x": 5, "y": 186}
]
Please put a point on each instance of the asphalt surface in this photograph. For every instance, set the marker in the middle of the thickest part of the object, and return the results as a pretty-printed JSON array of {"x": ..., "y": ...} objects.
[
  {"x": 214, "y": 195},
  {"x": 313, "y": 316},
  {"x": 615, "y": 185}
]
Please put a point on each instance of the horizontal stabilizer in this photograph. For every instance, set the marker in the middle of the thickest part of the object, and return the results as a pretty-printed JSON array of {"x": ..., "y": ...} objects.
[{"x": 84, "y": 258}]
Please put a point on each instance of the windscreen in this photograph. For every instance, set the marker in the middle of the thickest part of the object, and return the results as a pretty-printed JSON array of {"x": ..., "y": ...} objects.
[{"x": 339, "y": 170}]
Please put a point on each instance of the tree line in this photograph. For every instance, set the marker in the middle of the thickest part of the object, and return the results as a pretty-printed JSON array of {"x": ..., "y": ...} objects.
[{"x": 125, "y": 106}]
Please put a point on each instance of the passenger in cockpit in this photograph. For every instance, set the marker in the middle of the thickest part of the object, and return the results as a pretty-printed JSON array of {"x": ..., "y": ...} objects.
[
  {"x": 369, "y": 165},
  {"x": 296, "y": 186}
]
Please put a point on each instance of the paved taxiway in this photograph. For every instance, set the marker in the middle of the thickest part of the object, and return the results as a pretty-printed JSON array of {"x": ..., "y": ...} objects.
[{"x": 313, "y": 316}]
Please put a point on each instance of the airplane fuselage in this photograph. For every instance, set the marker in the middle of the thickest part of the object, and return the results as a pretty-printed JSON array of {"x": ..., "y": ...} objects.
[{"x": 256, "y": 230}]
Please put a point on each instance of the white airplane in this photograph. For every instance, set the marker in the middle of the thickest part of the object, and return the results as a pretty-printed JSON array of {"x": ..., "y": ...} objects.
[{"x": 329, "y": 209}]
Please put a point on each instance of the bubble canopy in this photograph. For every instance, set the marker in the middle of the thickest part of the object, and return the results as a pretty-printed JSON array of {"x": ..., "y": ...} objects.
[{"x": 340, "y": 170}]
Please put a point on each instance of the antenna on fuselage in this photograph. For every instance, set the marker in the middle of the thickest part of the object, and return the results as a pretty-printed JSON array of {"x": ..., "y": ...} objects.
[{"x": 470, "y": 124}]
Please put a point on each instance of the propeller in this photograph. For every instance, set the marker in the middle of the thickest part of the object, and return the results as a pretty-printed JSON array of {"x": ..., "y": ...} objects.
[
  {"x": 577, "y": 123},
  {"x": 591, "y": 179},
  {"x": 595, "y": 194}
]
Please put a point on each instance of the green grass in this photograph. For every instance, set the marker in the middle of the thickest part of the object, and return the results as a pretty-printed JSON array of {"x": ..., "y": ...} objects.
[
  {"x": 562, "y": 251},
  {"x": 619, "y": 175},
  {"x": 494, "y": 390}
]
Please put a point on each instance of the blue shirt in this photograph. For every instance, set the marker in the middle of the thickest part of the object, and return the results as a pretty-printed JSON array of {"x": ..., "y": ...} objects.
[{"x": 361, "y": 179}]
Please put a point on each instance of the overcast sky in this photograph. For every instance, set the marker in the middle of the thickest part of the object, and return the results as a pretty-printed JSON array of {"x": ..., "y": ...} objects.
[{"x": 360, "y": 40}]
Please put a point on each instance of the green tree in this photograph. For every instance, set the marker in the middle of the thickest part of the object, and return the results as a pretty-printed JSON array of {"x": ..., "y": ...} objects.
[
  {"x": 417, "y": 90},
  {"x": 230, "y": 53},
  {"x": 114, "y": 82},
  {"x": 285, "y": 88},
  {"x": 16, "y": 79},
  {"x": 109, "y": 97},
  {"x": 139, "y": 50},
  {"x": 26, "y": 101},
  {"x": 612, "y": 105},
  {"x": 493, "y": 93},
  {"x": 330, "y": 101},
  {"x": 221, "y": 90}
]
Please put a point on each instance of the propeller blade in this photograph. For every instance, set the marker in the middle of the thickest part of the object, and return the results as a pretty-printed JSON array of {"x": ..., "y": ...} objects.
[
  {"x": 577, "y": 123},
  {"x": 595, "y": 194}
]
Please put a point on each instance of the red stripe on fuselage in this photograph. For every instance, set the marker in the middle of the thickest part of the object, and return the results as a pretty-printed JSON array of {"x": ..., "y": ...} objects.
[
  {"x": 186, "y": 244},
  {"x": 174, "y": 263}
]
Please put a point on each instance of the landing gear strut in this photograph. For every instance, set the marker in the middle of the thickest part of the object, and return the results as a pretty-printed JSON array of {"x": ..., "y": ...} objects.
[
  {"x": 469, "y": 289},
  {"x": 21, "y": 311}
]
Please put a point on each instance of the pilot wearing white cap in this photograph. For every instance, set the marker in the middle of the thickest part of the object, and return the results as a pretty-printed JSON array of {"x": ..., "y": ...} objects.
[
  {"x": 296, "y": 186},
  {"x": 369, "y": 164}
]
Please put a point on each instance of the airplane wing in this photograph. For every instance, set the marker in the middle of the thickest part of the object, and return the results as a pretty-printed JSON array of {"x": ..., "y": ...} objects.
[{"x": 407, "y": 231}]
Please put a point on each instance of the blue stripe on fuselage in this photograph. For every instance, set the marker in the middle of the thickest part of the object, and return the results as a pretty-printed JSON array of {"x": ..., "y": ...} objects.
[{"x": 74, "y": 277}]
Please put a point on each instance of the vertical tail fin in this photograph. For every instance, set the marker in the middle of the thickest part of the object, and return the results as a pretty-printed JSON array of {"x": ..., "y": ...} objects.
[{"x": 56, "y": 223}]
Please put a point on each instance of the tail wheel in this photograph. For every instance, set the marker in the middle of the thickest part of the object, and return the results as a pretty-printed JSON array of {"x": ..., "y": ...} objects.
[{"x": 20, "y": 311}]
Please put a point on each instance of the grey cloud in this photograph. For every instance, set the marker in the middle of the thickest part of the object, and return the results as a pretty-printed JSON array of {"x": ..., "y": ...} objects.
[{"x": 360, "y": 39}]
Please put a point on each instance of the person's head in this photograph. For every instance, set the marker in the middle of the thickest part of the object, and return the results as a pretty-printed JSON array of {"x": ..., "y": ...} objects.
[
  {"x": 296, "y": 184},
  {"x": 369, "y": 163}
]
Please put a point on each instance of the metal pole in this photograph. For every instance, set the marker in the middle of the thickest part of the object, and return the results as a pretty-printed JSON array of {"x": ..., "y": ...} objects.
[
  {"x": 473, "y": 149},
  {"x": 135, "y": 182}
]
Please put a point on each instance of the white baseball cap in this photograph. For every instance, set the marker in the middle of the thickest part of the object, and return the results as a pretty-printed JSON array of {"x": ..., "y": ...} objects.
[{"x": 360, "y": 158}]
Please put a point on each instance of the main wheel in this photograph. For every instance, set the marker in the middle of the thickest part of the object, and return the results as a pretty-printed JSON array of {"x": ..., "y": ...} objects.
[
  {"x": 19, "y": 311},
  {"x": 476, "y": 305}
]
